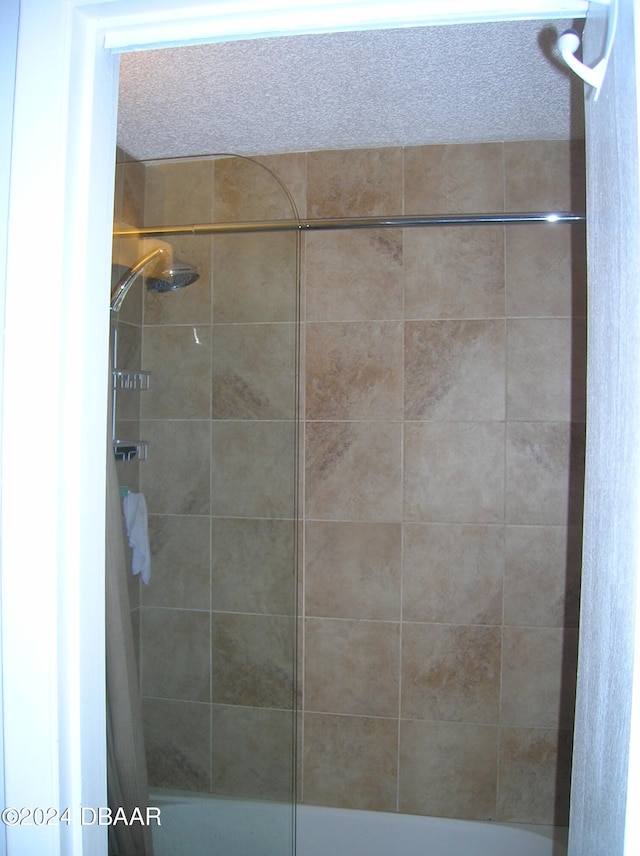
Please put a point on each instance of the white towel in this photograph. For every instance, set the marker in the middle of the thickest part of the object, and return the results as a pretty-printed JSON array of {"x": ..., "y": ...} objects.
[{"x": 135, "y": 517}]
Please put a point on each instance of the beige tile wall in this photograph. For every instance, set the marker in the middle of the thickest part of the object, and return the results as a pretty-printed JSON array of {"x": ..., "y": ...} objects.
[
  {"x": 443, "y": 409},
  {"x": 444, "y": 386}
]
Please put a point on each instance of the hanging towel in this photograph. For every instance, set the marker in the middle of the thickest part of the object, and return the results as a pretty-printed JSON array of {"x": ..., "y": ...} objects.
[{"x": 135, "y": 518}]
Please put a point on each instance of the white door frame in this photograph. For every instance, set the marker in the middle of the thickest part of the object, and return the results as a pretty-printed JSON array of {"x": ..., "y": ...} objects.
[
  {"x": 58, "y": 240},
  {"x": 9, "y": 17},
  {"x": 604, "y": 794}
]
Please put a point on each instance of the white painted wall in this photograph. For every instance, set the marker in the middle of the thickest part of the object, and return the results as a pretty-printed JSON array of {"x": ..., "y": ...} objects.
[
  {"x": 56, "y": 288},
  {"x": 612, "y": 483}
]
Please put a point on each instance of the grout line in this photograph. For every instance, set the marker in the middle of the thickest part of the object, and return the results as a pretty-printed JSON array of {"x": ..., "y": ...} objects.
[
  {"x": 302, "y": 557},
  {"x": 402, "y": 489},
  {"x": 504, "y": 488}
]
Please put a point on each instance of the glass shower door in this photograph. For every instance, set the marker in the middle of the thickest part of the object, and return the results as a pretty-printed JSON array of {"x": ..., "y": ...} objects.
[{"x": 216, "y": 623}]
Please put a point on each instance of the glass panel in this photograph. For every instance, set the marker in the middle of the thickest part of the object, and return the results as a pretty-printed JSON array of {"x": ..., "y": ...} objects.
[{"x": 216, "y": 623}]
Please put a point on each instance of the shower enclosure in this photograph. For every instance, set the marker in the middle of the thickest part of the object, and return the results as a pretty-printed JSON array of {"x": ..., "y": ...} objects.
[{"x": 442, "y": 416}]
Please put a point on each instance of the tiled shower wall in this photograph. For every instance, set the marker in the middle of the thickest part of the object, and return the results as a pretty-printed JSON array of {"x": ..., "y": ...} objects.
[
  {"x": 444, "y": 412},
  {"x": 443, "y": 417}
]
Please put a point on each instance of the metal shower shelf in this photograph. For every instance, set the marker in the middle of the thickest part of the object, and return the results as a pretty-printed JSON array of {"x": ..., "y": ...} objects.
[
  {"x": 130, "y": 450},
  {"x": 125, "y": 379}
]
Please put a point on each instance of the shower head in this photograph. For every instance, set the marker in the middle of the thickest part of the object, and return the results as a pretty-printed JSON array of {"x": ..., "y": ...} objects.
[{"x": 176, "y": 275}]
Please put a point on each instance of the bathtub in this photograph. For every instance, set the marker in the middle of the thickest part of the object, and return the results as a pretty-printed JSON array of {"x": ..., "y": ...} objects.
[{"x": 201, "y": 825}]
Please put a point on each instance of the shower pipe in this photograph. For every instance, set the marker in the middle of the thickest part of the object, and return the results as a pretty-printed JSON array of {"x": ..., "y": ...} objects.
[{"x": 399, "y": 221}]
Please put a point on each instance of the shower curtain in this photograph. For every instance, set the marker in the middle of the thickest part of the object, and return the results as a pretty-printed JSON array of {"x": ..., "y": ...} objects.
[{"x": 126, "y": 764}]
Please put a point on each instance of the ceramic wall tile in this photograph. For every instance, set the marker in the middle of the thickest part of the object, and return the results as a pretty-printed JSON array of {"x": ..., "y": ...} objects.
[
  {"x": 545, "y": 270},
  {"x": 353, "y": 570},
  {"x": 451, "y": 672},
  {"x": 180, "y": 387},
  {"x": 454, "y": 370},
  {"x": 538, "y": 676},
  {"x": 452, "y": 573},
  {"x": 254, "y": 373},
  {"x": 354, "y": 370},
  {"x": 177, "y": 736},
  {"x": 544, "y": 472},
  {"x": 254, "y": 277},
  {"x": 129, "y": 191},
  {"x": 351, "y": 667},
  {"x": 542, "y": 575},
  {"x": 175, "y": 654},
  {"x": 252, "y": 754},
  {"x": 179, "y": 547},
  {"x": 179, "y": 193},
  {"x": 454, "y": 273},
  {"x": 177, "y": 482},
  {"x": 353, "y": 471},
  {"x": 453, "y": 472},
  {"x": 252, "y": 659},
  {"x": 291, "y": 170},
  {"x": 535, "y": 774},
  {"x": 252, "y": 565},
  {"x": 544, "y": 175},
  {"x": 350, "y": 761},
  {"x": 253, "y": 469},
  {"x": 546, "y": 376},
  {"x": 247, "y": 190},
  {"x": 448, "y": 769},
  {"x": 354, "y": 275},
  {"x": 354, "y": 183},
  {"x": 129, "y": 347},
  {"x": 454, "y": 179}
]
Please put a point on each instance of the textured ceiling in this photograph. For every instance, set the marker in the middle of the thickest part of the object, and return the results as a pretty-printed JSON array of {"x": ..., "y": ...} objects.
[{"x": 449, "y": 84}]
